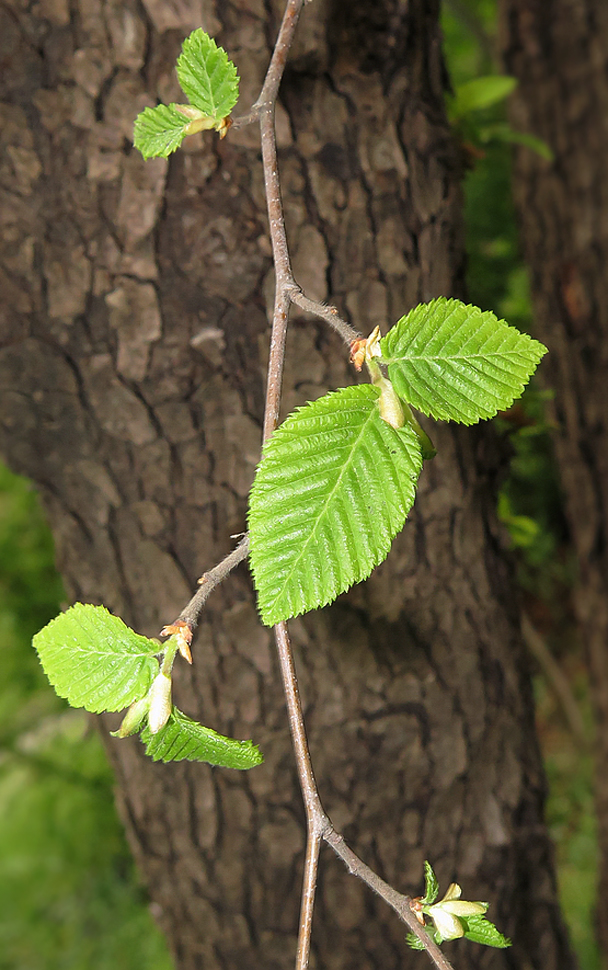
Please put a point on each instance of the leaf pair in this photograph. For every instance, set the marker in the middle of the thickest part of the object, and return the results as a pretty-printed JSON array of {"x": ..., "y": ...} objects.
[
  {"x": 336, "y": 481},
  {"x": 95, "y": 661},
  {"x": 209, "y": 80}
]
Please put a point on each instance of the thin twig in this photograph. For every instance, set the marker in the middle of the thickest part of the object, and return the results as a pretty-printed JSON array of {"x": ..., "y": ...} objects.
[
  {"x": 207, "y": 583},
  {"x": 397, "y": 901},
  {"x": 317, "y": 821},
  {"x": 327, "y": 313},
  {"x": 264, "y": 109},
  {"x": 319, "y": 826},
  {"x": 274, "y": 74}
]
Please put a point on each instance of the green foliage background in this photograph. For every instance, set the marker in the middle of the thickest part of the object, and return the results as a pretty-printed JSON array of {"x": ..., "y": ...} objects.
[
  {"x": 69, "y": 895},
  {"x": 530, "y": 503}
]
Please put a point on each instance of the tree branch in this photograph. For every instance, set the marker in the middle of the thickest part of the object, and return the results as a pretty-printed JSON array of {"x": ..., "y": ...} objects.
[
  {"x": 287, "y": 291},
  {"x": 211, "y": 579}
]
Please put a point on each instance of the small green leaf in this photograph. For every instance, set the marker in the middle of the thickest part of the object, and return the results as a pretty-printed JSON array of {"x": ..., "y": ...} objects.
[
  {"x": 184, "y": 739},
  {"x": 431, "y": 886},
  {"x": 456, "y": 363},
  {"x": 160, "y": 131},
  {"x": 503, "y": 132},
  {"x": 207, "y": 76},
  {"x": 94, "y": 660},
  {"x": 412, "y": 940},
  {"x": 481, "y": 92},
  {"x": 330, "y": 494},
  {"x": 480, "y": 930}
]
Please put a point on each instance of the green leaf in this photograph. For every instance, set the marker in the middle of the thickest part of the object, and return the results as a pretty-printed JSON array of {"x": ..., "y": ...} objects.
[
  {"x": 330, "y": 494},
  {"x": 412, "y": 940},
  {"x": 431, "y": 886},
  {"x": 503, "y": 132},
  {"x": 182, "y": 738},
  {"x": 456, "y": 363},
  {"x": 481, "y": 92},
  {"x": 159, "y": 131},
  {"x": 207, "y": 75},
  {"x": 480, "y": 930},
  {"x": 94, "y": 660}
]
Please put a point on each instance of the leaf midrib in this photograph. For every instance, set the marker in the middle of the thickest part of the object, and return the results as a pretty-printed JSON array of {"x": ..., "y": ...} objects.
[
  {"x": 446, "y": 357},
  {"x": 77, "y": 648},
  {"x": 324, "y": 509}
]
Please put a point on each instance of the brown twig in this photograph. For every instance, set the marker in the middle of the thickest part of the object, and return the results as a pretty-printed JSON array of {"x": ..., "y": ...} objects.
[
  {"x": 320, "y": 827},
  {"x": 327, "y": 313},
  {"x": 208, "y": 582}
]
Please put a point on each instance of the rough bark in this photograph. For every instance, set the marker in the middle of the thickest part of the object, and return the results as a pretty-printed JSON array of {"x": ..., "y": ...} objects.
[
  {"x": 559, "y": 52},
  {"x": 131, "y": 373}
]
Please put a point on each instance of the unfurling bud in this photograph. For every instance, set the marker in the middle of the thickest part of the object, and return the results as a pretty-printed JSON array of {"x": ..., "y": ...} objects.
[
  {"x": 160, "y": 702},
  {"x": 183, "y": 633},
  {"x": 445, "y": 913}
]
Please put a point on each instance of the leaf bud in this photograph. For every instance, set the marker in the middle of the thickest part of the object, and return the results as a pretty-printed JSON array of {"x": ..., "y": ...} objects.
[
  {"x": 160, "y": 702},
  {"x": 133, "y": 719}
]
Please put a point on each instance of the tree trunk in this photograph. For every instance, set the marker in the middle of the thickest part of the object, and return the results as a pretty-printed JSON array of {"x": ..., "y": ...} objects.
[
  {"x": 559, "y": 52},
  {"x": 131, "y": 374}
]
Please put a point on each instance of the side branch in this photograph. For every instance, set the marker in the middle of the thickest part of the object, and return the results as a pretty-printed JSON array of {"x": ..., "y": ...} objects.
[
  {"x": 209, "y": 581},
  {"x": 327, "y": 313},
  {"x": 397, "y": 901}
]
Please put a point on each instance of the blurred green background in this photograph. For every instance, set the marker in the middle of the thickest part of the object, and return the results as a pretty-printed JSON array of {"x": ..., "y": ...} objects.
[{"x": 69, "y": 894}]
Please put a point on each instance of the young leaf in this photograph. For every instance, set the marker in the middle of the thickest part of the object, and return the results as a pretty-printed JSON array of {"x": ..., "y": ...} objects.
[
  {"x": 94, "y": 660},
  {"x": 431, "y": 886},
  {"x": 503, "y": 132},
  {"x": 182, "y": 738},
  {"x": 481, "y": 92},
  {"x": 456, "y": 363},
  {"x": 412, "y": 940},
  {"x": 159, "y": 131},
  {"x": 330, "y": 494},
  {"x": 480, "y": 930},
  {"x": 207, "y": 75}
]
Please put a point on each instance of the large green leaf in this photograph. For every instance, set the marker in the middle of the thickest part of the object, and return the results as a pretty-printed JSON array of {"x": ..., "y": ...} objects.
[
  {"x": 94, "y": 660},
  {"x": 182, "y": 738},
  {"x": 331, "y": 492},
  {"x": 207, "y": 75},
  {"x": 457, "y": 363}
]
